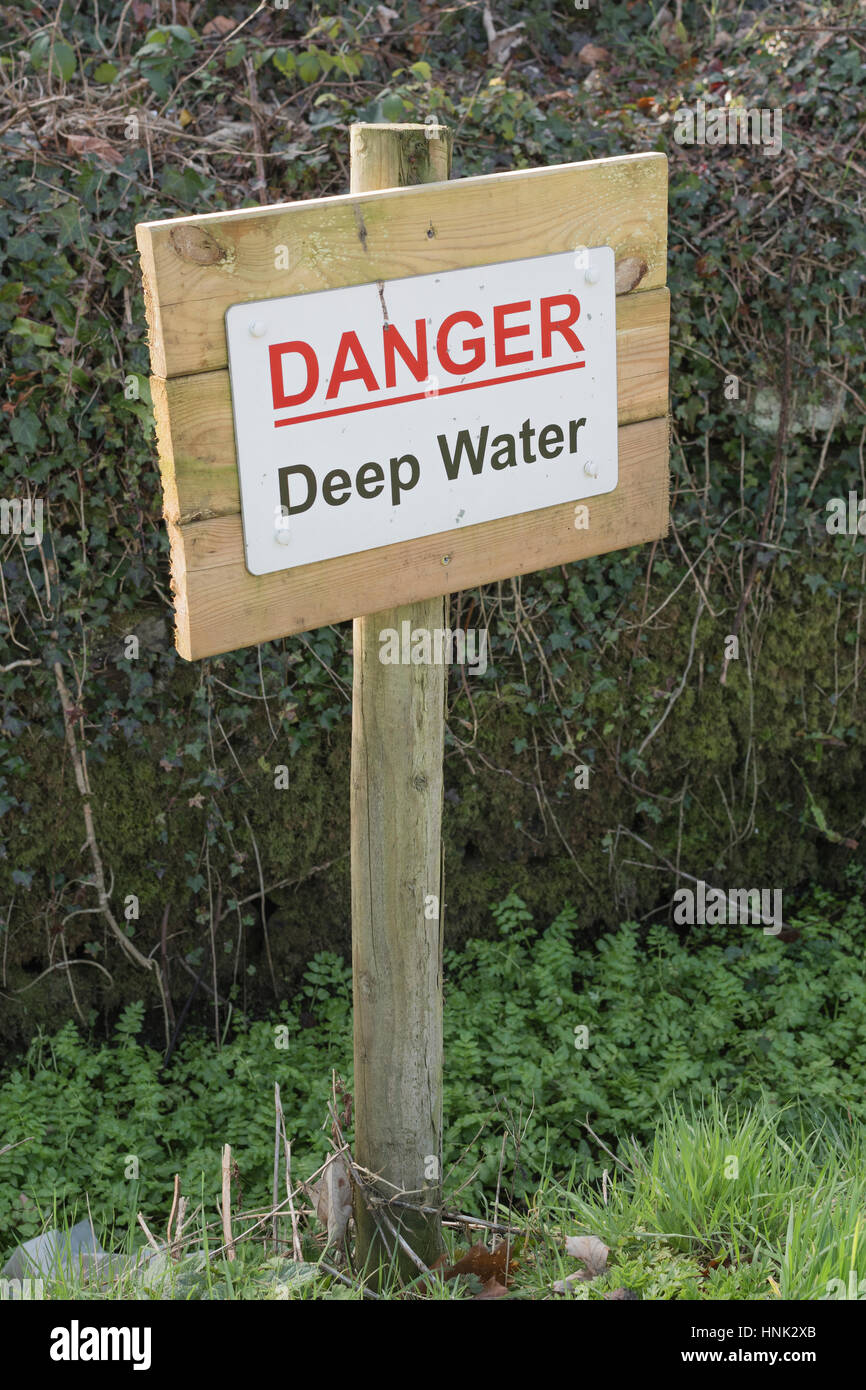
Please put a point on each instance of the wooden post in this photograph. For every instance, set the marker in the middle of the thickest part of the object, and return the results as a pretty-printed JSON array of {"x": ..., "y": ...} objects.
[{"x": 398, "y": 721}]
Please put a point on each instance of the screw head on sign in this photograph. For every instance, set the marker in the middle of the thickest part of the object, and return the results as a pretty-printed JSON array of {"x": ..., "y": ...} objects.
[
  {"x": 258, "y": 329},
  {"x": 446, "y": 559},
  {"x": 590, "y": 275},
  {"x": 590, "y": 469}
]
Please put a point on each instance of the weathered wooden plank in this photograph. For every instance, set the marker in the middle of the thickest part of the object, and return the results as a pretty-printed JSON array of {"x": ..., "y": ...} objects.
[
  {"x": 642, "y": 355},
  {"x": 194, "y": 268},
  {"x": 221, "y": 606},
  {"x": 396, "y": 831},
  {"x": 194, "y": 413}
]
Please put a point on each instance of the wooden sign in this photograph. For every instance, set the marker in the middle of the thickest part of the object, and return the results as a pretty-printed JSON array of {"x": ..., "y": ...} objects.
[
  {"x": 386, "y": 412},
  {"x": 377, "y": 398},
  {"x": 364, "y": 403}
]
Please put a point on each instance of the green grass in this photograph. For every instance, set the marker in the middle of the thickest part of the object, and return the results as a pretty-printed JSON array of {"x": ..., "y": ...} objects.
[
  {"x": 723, "y": 1204},
  {"x": 778, "y": 1196}
]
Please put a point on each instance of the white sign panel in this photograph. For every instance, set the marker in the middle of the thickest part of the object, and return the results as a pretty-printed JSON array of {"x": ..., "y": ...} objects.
[{"x": 403, "y": 408}]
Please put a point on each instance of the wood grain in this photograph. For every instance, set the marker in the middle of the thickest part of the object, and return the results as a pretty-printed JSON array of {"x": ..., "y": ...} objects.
[
  {"x": 396, "y": 831},
  {"x": 194, "y": 268},
  {"x": 220, "y": 606}
]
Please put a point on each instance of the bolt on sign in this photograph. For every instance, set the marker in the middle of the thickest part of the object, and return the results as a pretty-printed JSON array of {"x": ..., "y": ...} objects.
[{"x": 376, "y": 398}]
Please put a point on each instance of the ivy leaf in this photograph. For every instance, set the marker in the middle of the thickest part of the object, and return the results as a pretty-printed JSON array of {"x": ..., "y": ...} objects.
[
  {"x": 68, "y": 218},
  {"x": 42, "y": 334},
  {"x": 24, "y": 428}
]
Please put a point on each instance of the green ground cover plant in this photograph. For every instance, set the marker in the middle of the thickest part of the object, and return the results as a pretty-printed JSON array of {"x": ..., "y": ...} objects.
[
  {"x": 724, "y": 1203},
  {"x": 665, "y": 1020}
]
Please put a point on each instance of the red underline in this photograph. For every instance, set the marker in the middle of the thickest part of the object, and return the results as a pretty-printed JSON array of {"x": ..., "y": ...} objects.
[{"x": 423, "y": 395}]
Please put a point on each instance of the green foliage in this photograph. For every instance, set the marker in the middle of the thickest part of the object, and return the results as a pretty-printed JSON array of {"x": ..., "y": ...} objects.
[
  {"x": 662, "y": 1019},
  {"x": 92, "y": 1110},
  {"x": 765, "y": 264},
  {"x": 163, "y": 53},
  {"x": 665, "y": 1020},
  {"x": 50, "y": 52}
]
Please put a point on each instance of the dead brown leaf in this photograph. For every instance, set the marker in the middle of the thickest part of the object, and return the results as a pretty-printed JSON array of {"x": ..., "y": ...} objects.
[
  {"x": 485, "y": 1264},
  {"x": 220, "y": 24},
  {"x": 333, "y": 1198},
  {"x": 721, "y": 1261},
  {"x": 492, "y": 1289},
  {"x": 593, "y": 56},
  {"x": 94, "y": 144},
  {"x": 592, "y": 1253}
]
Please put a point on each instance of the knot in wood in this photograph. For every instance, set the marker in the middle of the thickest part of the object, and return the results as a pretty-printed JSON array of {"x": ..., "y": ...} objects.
[{"x": 196, "y": 244}]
